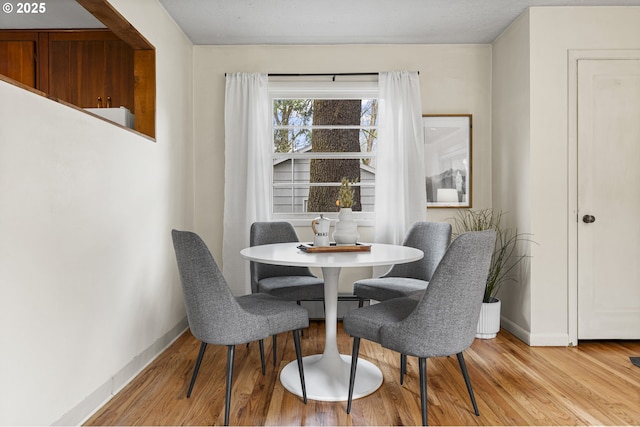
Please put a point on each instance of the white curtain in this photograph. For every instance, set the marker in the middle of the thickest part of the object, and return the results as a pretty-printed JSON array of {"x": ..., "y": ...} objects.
[
  {"x": 247, "y": 170},
  {"x": 401, "y": 196}
]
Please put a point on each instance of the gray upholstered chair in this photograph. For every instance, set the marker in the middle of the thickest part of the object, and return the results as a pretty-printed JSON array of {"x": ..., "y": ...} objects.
[
  {"x": 443, "y": 322},
  {"x": 217, "y": 317},
  {"x": 403, "y": 280},
  {"x": 409, "y": 279},
  {"x": 285, "y": 282}
]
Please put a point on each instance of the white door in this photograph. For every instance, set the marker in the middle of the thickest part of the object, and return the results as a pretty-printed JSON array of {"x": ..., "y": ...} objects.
[{"x": 609, "y": 199}]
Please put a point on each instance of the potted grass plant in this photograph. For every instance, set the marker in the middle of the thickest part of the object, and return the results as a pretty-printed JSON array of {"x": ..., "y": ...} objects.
[{"x": 504, "y": 259}]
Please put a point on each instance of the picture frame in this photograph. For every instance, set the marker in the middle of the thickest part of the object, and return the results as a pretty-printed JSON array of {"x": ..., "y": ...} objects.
[{"x": 448, "y": 148}]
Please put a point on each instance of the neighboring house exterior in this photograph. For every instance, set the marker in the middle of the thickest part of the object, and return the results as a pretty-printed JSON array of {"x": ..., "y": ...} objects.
[{"x": 286, "y": 200}]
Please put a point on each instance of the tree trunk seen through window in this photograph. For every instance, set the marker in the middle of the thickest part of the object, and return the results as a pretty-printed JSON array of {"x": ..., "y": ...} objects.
[{"x": 334, "y": 112}]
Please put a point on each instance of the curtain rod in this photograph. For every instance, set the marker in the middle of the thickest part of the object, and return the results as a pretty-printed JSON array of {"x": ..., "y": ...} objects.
[
  {"x": 321, "y": 74},
  {"x": 325, "y": 74}
]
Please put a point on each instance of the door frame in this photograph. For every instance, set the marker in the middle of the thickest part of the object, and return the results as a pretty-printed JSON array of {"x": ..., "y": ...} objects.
[{"x": 574, "y": 56}]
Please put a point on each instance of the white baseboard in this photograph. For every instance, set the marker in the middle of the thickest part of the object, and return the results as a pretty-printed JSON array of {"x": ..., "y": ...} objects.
[
  {"x": 549, "y": 340},
  {"x": 515, "y": 329},
  {"x": 535, "y": 340},
  {"x": 94, "y": 401}
]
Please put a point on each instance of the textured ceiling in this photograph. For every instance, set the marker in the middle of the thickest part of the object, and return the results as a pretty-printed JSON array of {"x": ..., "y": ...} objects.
[
  {"x": 216, "y": 22},
  {"x": 212, "y": 22}
]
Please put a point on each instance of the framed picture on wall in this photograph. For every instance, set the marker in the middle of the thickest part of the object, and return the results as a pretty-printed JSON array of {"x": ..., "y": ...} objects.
[{"x": 447, "y": 149}]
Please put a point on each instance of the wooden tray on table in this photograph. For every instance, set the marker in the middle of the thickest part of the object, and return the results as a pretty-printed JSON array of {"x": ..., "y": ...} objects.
[{"x": 333, "y": 247}]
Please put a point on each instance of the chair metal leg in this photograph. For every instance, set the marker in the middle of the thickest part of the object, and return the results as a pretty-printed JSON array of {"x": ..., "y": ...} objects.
[
  {"x": 261, "y": 342},
  {"x": 203, "y": 347},
  {"x": 352, "y": 377},
  {"x": 231, "y": 349},
  {"x": 301, "y": 331},
  {"x": 296, "y": 341},
  {"x": 275, "y": 348},
  {"x": 403, "y": 367},
  {"x": 422, "y": 363},
  {"x": 467, "y": 380}
]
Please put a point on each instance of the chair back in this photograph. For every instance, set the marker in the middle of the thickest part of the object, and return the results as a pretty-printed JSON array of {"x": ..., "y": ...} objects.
[
  {"x": 214, "y": 315},
  {"x": 432, "y": 238},
  {"x": 445, "y": 320},
  {"x": 269, "y": 232}
]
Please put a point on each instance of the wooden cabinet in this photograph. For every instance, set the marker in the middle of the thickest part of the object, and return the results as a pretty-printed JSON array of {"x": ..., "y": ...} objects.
[
  {"x": 93, "y": 69},
  {"x": 18, "y": 56},
  {"x": 87, "y": 68}
]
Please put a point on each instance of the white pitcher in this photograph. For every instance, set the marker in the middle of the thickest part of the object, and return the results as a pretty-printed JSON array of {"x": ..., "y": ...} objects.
[{"x": 320, "y": 227}]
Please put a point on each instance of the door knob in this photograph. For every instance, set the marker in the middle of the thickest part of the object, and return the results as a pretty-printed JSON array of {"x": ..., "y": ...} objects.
[{"x": 588, "y": 219}]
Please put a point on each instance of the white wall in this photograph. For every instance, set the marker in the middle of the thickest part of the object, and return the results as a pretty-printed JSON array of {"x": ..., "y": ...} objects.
[
  {"x": 553, "y": 32},
  {"x": 453, "y": 78},
  {"x": 511, "y": 180},
  {"x": 88, "y": 285}
]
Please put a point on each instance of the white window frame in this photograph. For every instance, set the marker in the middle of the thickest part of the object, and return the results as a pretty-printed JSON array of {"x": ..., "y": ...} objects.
[{"x": 318, "y": 90}]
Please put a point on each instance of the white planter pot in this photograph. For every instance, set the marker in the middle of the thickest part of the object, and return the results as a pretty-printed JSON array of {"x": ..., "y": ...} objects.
[
  {"x": 346, "y": 228},
  {"x": 489, "y": 321}
]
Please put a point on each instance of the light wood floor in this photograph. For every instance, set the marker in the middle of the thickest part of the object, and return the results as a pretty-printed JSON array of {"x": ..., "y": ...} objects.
[{"x": 592, "y": 384}]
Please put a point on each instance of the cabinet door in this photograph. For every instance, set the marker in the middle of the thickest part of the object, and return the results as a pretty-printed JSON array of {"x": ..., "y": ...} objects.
[
  {"x": 77, "y": 71},
  {"x": 89, "y": 69},
  {"x": 119, "y": 81},
  {"x": 18, "y": 57}
]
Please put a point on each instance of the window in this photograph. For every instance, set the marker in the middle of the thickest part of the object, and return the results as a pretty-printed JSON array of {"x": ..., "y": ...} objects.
[{"x": 322, "y": 132}]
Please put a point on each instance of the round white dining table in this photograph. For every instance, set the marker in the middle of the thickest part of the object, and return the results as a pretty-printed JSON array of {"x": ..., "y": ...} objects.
[{"x": 327, "y": 374}]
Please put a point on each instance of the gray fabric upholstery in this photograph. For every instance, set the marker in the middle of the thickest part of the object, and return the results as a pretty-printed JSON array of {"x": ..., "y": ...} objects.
[
  {"x": 432, "y": 238},
  {"x": 293, "y": 288},
  {"x": 444, "y": 320},
  {"x": 286, "y": 282},
  {"x": 441, "y": 323},
  {"x": 383, "y": 289},
  {"x": 282, "y": 316},
  {"x": 366, "y": 322},
  {"x": 215, "y": 315}
]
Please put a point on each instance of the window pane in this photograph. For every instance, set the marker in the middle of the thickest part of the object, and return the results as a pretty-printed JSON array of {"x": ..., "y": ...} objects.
[
  {"x": 292, "y": 112},
  {"x": 292, "y": 186},
  {"x": 316, "y": 143},
  {"x": 289, "y": 199},
  {"x": 296, "y": 140},
  {"x": 290, "y": 171},
  {"x": 368, "y": 140},
  {"x": 369, "y": 112},
  {"x": 299, "y": 112},
  {"x": 291, "y": 140}
]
